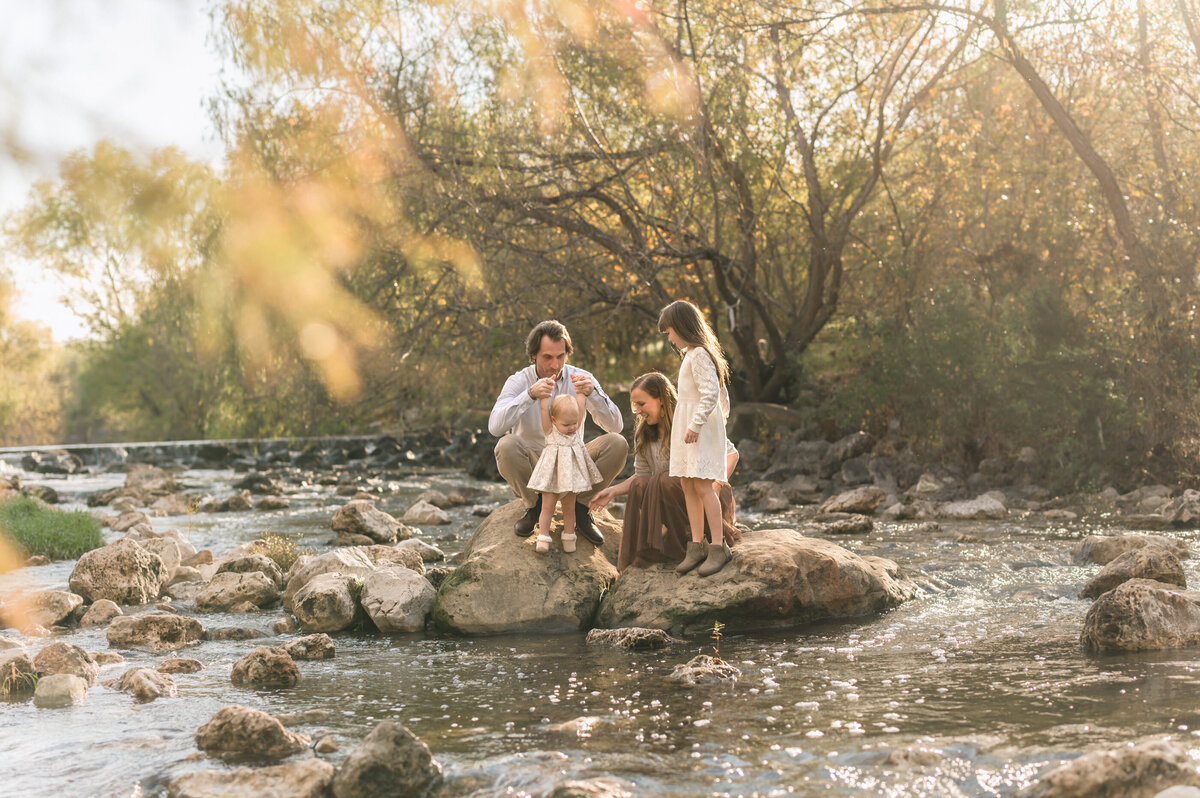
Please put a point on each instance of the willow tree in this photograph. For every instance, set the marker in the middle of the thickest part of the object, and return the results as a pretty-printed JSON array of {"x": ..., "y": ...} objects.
[{"x": 593, "y": 160}]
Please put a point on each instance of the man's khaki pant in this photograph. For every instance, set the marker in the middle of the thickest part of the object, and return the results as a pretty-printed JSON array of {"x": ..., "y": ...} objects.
[{"x": 516, "y": 463}]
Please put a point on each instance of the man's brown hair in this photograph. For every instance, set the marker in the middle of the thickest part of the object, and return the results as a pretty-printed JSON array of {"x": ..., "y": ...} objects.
[{"x": 549, "y": 327}]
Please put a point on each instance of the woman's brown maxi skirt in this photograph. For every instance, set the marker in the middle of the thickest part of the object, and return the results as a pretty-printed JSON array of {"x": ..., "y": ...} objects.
[{"x": 656, "y": 525}]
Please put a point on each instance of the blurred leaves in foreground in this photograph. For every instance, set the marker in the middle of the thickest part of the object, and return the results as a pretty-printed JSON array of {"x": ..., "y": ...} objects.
[{"x": 977, "y": 220}]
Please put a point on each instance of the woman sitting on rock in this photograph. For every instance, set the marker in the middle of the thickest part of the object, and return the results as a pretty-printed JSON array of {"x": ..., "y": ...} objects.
[{"x": 655, "y": 528}]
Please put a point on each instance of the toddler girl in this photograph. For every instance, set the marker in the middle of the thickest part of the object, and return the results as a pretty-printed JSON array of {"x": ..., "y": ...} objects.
[
  {"x": 564, "y": 467},
  {"x": 698, "y": 445}
]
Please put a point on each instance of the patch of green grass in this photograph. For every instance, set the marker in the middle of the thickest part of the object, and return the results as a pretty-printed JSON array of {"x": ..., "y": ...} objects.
[
  {"x": 38, "y": 529},
  {"x": 16, "y": 682},
  {"x": 281, "y": 550}
]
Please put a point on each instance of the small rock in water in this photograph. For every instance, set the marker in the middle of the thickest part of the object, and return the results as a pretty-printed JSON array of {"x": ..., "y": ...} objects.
[
  {"x": 181, "y": 665},
  {"x": 325, "y": 745},
  {"x": 316, "y": 646},
  {"x": 634, "y": 638},
  {"x": 285, "y": 626},
  {"x": 307, "y": 716},
  {"x": 63, "y": 657},
  {"x": 59, "y": 690},
  {"x": 266, "y": 666},
  {"x": 846, "y": 523},
  {"x": 237, "y": 732},
  {"x": 704, "y": 669},
  {"x": 99, "y": 614},
  {"x": 916, "y": 756},
  {"x": 307, "y": 778},
  {"x": 963, "y": 537},
  {"x": 36, "y": 560},
  {"x": 235, "y": 633},
  {"x": 1138, "y": 770},
  {"x": 145, "y": 684},
  {"x": 392, "y": 761},
  {"x": 104, "y": 658}
]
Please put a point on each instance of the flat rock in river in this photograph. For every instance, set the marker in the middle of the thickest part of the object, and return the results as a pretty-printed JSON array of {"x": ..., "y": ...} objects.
[
  {"x": 777, "y": 578},
  {"x": 503, "y": 585}
]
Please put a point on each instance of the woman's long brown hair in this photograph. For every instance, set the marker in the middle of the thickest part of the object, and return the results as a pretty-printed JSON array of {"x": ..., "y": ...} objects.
[
  {"x": 656, "y": 386},
  {"x": 688, "y": 323}
]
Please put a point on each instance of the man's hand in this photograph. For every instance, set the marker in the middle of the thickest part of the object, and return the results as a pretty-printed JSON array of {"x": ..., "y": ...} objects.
[
  {"x": 542, "y": 389},
  {"x": 691, "y": 437},
  {"x": 583, "y": 384},
  {"x": 600, "y": 499}
]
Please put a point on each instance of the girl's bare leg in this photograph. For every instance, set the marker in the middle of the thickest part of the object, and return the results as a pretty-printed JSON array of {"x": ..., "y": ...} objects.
[
  {"x": 568, "y": 533},
  {"x": 695, "y": 508},
  {"x": 712, "y": 508},
  {"x": 544, "y": 522}
]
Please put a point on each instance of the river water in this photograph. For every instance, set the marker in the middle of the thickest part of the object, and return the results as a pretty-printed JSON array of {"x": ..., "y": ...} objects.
[{"x": 973, "y": 688}]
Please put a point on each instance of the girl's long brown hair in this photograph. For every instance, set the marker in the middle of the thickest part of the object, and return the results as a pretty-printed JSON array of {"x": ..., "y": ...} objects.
[
  {"x": 656, "y": 386},
  {"x": 688, "y": 323}
]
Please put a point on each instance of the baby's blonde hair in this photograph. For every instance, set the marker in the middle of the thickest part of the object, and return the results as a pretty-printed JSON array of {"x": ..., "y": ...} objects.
[{"x": 564, "y": 408}]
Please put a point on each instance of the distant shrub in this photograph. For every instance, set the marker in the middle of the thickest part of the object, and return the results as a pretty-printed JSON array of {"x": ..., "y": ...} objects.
[
  {"x": 38, "y": 529},
  {"x": 283, "y": 551}
]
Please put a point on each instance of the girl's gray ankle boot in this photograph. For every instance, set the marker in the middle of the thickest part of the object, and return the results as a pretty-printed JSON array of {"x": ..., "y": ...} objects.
[{"x": 696, "y": 552}]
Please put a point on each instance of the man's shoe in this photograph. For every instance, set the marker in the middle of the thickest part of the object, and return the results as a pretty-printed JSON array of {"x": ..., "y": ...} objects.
[
  {"x": 585, "y": 527},
  {"x": 527, "y": 522},
  {"x": 717, "y": 557},
  {"x": 696, "y": 552}
]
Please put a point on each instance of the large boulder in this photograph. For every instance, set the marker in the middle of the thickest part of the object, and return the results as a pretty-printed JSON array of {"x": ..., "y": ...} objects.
[
  {"x": 62, "y": 657},
  {"x": 155, "y": 632},
  {"x": 1141, "y": 615},
  {"x": 237, "y": 732},
  {"x": 231, "y": 589},
  {"x": 1103, "y": 549},
  {"x": 364, "y": 518},
  {"x": 307, "y": 778},
  {"x": 390, "y": 763},
  {"x": 981, "y": 507},
  {"x": 59, "y": 690},
  {"x": 249, "y": 563},
  {"x": 326, "y": 603},
  {"x": 503, "y": 585},
  {"x": 1131, "y": 771},
  {"x": 397, "y": 599},
  {"x": 122, "y": 572},
  {"x": 1148, "y": 562},
  {"x": 865, "y": 499},
  {"x": 266, "y": 666},
  {"x": 353, "y": 561},
  {"x": 777, "y": 578},
  {"x": 145, "y": 684},
  {"x": 50, "y": 607}
]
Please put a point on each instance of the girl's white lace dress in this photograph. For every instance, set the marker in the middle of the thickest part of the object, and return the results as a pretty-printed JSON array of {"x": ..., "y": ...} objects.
[
  {"x": 703, "y": 406},
  {"x": 564, "y": 466}
]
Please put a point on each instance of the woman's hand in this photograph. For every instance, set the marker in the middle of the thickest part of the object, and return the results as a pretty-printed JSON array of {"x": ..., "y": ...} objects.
[
  {"x": 600, "y": 500},
  {"x": 691, "y": 436}
]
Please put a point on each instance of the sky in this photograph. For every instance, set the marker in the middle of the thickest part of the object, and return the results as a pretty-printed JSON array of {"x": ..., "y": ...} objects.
[{"x": 74, "y": 72}]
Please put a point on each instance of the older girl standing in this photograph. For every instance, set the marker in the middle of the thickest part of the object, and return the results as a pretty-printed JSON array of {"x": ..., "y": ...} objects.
[{"x": 698, "y": 443}]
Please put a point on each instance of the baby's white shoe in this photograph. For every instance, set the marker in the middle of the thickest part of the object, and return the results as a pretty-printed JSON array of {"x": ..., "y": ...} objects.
[
  {"x": 543, "y": 544},
  {"x": 568, "y": 542}
]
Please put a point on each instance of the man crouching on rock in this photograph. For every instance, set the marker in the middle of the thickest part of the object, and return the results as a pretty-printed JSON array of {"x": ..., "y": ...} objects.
[{"x": 516, "y": 420}]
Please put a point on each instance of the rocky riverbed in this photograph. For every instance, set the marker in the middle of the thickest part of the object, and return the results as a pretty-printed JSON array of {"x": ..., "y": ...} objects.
[{"x": 889, "y": 628}]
